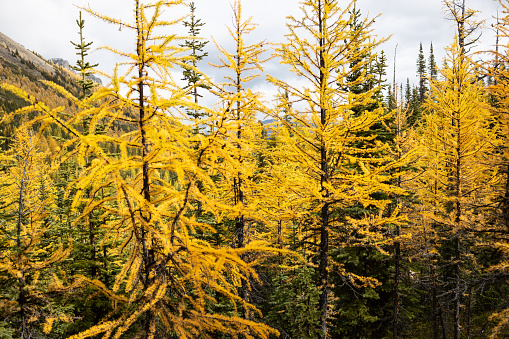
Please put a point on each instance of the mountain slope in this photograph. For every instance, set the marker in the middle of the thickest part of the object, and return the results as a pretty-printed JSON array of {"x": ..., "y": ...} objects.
[{"x": 25, "y": 69}]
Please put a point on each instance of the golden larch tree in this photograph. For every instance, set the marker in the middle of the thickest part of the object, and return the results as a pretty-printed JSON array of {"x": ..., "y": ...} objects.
[
  {"x": 458, "y": 138},
  {"x": 241, "y": 131},
  {"x": 29, "y": 245},
  {"x": 333, "y": 170}
]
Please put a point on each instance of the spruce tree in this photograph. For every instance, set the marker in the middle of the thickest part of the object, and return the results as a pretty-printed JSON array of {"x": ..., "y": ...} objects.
[
  {"x": 421, "y": 74},
  {"x": 359, "y": 314},
  {"x": 432, "y": 66},
  {"x": 193, "y": 77},
  {"x": 83, "y": 67}
]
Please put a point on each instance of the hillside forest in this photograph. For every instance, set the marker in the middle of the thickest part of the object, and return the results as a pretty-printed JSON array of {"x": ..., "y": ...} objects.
[{"x": 345, "y": 207}]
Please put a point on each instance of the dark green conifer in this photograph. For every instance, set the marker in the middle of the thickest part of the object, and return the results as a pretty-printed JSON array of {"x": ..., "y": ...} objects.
[
  {"x": 83, "y": 67},
  {"x": 379, "y": 70},
  {"x": 432, "y": 65},
  {"x": 421, "y": 74},
  {"x": 359, "y": 313},
  {"x": 191, "y": 74},
  {"x": 408, "y": 93}
]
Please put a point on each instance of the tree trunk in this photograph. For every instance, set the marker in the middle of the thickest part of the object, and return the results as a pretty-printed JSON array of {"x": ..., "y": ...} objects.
[
  {"x": 457, "y": 290},
  {"x": 147, "y": 244},
  {"x": 324, "y": 178},
  {"x": 434, "y": 311},
  {"x": 505, "y": 202},
  {"x": 93, "y": 269},
  {"x": 22, "y": 309},
  {"x": 396, "y": 286},
  {"x": 323, "y": 267}
]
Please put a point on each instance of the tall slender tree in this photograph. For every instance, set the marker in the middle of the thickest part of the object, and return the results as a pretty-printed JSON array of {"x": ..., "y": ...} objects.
[
  {"x": 432, "y": 65},
  {"x": 459, "y": 137},
  {"x": 421, "y": 74},
  {"x": 242, "y": 105},
  {"x": 83, "y": 67},
  {"x": 195, "y": 79},
  {"x": 322, "y": 144}
]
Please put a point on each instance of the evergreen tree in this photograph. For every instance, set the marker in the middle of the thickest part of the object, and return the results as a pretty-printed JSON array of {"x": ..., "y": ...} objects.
[
  {"x": 432, "y": 66},
  {"x": 83, "y": 67},
  {"x": 421, "y": 75},
  {"x": 191, "y": 73},
  {"x": 368, "y": 309}
]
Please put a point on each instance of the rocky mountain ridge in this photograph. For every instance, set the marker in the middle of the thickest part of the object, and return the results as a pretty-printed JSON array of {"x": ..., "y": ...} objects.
[
  {"x": 16, "y": 54},
  {"x": 65, "y": 64},
  {"x": 12, "y": 52}
]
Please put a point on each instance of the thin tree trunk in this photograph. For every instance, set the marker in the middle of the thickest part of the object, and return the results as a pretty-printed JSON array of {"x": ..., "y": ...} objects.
[
  {"x": 396, "y": 286},
  {"x": 93, "y": 269},
  {"x": 505, "y": 202},
  {"x": 468, "y": 311},
  {"x": 323, "y": 267},
  {"x": 148, "y": 253},
  {"x": 324, "y": 178},
  {"x": 21, "y": 206},
  {"x": 434, "y": 311},
  {"x": 22, "y": 308},
  {"x": 457, "y": 290},
  {"x": 397, "y": 259}
]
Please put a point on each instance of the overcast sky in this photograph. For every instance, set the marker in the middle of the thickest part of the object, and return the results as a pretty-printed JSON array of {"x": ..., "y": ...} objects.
[{"x": 47, "y": 26}]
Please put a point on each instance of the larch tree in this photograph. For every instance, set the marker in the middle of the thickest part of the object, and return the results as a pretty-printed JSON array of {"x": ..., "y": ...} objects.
[
  {"x": 458, "y": 138},
  {"x": 168, "y": 278},
  {"x": 241, "y": 105},
  {"x": 332, "y": 173},
  {"x": 499, "y": 71},
  {"x": 29, "y": 246}
]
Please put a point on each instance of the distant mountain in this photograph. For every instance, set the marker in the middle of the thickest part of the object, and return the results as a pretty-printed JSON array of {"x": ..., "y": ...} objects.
[
  {"x": 65, "y": 64},
  {"x": 12, "y": 52},
  {"x": 25, "y": 69}
]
